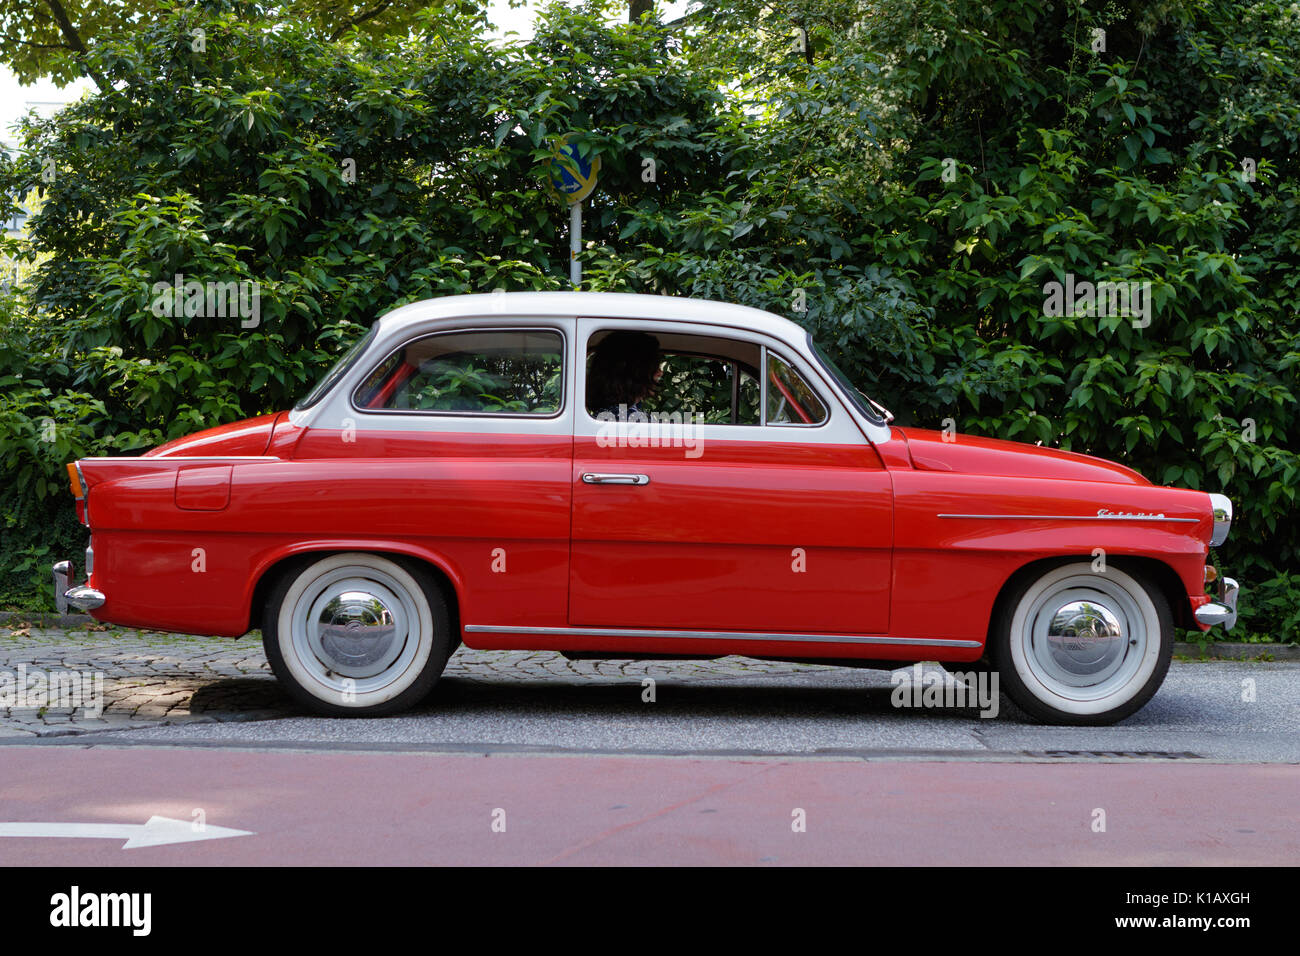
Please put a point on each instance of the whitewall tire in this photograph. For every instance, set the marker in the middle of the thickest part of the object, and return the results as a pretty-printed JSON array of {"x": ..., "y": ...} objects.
[
  {"x": 1076, "y": 646},
  {"x": 357, "y": 634}
]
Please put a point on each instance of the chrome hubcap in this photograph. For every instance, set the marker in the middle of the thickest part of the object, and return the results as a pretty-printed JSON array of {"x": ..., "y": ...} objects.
[
  {"x": 356, "y": 629},
  {"x": 355, "y": 633},
  {"x": 1085, "y": 638}
]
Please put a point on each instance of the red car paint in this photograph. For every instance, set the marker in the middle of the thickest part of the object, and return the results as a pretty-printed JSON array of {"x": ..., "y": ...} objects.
[
  {"x": 735, "y": 519},
  {"x": 903, "y": 537}
]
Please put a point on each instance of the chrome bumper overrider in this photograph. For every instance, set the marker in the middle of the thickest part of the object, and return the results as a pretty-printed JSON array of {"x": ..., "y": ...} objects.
[
  {"x": 81, "y": 597},
  {"x": 1222, "y": 611}
]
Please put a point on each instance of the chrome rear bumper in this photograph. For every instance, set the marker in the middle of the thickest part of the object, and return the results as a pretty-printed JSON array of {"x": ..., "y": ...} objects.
[
  {"x": 81, "y": 597},
  {"x": 1222, "y": 611}
]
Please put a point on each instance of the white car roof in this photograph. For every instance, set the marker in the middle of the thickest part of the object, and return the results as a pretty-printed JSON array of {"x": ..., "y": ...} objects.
[
  {"x": 606, "y": 305},
  {"x": 396, "y": 326}
]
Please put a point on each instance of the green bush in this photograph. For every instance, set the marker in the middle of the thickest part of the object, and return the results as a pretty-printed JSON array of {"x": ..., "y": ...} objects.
[
  {"x": 985, "y": 148},
  {"x": 343, "y": 177},
  {"x": 903, "y": 184}
]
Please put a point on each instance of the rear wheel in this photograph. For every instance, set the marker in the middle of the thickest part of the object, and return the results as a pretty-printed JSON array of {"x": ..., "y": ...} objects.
[
  {"x": 357, "y": 634},
  {"x": 1078, "y": 647}
]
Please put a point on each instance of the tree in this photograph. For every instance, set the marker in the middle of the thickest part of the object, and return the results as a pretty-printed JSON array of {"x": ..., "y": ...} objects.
[
  {"x": 54, "y": 37},
  {"x": 342, "y": 178},
  {"x": 905, "y": 193},
  {"x": 939, "y": 162}
]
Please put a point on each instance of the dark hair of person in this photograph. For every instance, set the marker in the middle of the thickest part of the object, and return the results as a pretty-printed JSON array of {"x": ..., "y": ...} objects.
[{"x": 622, "y": 369}]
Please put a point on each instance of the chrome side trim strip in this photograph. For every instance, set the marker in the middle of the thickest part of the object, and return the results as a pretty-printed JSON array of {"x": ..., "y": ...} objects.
[
  {"x": 169, "y": 457},
  {"x": 718, "y": 635},
  {"x": 1077, "y": 518}
]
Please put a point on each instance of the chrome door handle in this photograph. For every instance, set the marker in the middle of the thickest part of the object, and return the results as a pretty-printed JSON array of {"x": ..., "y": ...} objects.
[{"x": 590, "y": 479}]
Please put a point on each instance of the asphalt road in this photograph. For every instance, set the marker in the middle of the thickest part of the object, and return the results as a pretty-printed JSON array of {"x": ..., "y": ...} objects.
[
  {"x": 181, "y": 689},
  {"x": 806, "y": 766},
  {"x": 1199, "y": 711}
]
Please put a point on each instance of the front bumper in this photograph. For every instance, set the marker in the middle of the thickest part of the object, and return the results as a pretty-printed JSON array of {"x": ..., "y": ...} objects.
[
  {"x": 1224, "y": 610},
  {"x": 82, "y": 597}
]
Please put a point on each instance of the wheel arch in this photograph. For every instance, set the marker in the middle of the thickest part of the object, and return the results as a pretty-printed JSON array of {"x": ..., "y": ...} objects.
[
  {"x": 295, "y": 557},
  {"x": 1160, "y": 573}
]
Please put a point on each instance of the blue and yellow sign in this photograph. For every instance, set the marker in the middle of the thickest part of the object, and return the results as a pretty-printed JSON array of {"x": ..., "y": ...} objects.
[{"x": 572, "y": 175}]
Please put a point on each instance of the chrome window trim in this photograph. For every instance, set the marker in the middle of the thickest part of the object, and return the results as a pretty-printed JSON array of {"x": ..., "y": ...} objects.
[
  {"x": 580, "y": 408},
  {"x": 840, "y": 427},
  {"x": 771, "y": 636},
  {"x": 337, "y": 411},
  {"x": 549, "y": 308},
  {"x": 438, "y": 413},
  {"x": 794, "y": 368}
]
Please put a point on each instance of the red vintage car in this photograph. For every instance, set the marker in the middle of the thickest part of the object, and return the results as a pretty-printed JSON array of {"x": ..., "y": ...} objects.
[{"x": 490, "y": 469}]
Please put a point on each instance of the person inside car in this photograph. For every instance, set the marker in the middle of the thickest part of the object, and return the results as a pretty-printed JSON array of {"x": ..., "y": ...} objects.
[{"x": 625, "y": 368}]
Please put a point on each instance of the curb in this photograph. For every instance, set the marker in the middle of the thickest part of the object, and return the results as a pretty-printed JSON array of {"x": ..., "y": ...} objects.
[
  {"x": 45, "y": 619},
  {"x": 1238, "y": 652}
]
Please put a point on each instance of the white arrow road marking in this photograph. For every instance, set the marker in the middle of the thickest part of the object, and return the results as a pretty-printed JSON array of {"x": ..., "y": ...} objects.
[{"x": 157, "y": 832}]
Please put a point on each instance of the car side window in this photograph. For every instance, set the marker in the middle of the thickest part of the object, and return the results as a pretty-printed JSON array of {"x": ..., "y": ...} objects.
[
  {"x": 719, "y": 391},
  {"x": 487, "y": 372},
  {"x": 707, "y": 379},
  {"x": 790, "y": 400}
]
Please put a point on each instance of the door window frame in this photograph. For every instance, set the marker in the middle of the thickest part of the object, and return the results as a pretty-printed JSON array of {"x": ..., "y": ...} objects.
[
  {"x": 559, "y": 412},
  {"x": 838, "y": 427},
  {"x": 763, "y": 394}
]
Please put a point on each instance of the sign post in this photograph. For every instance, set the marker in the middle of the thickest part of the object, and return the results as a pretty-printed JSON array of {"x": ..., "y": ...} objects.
[
  {"x": 574, "y": 178},
  {"x": 575, "y": 243}
]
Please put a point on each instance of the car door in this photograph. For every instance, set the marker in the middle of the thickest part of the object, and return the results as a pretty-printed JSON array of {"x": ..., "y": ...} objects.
[
  {"x": 456, "y": 444},
  {"x": 773, "y": 517}
]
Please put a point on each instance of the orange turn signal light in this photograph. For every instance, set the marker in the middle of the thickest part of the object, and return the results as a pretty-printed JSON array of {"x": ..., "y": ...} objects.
[
  {"x": 1211, "y": 574},
  {"x": 74, "y": 475}
]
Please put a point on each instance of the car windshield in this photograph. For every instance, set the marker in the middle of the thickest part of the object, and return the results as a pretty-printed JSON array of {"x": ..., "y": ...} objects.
[
  {"x": 337, "y": 371},
  {"x": 859, "y": 398}
]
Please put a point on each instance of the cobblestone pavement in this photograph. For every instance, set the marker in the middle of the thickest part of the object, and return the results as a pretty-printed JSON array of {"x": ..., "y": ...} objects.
[{"x": 148, "y": 679}]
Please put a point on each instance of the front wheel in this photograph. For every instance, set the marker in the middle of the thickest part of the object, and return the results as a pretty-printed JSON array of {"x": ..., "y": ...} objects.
[
  {"x": 357, "y": 634},
  {"x": 1074, "y": 646}
]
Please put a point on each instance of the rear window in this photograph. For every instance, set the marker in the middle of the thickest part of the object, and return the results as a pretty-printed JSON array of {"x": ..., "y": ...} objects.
[{"x": 337, "y": 371}]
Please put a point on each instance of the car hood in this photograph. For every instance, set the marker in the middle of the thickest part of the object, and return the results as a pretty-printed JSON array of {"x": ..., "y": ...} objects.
[
  {"x": 249, "y": 437},
  {"x": 974, "y": 455}
]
